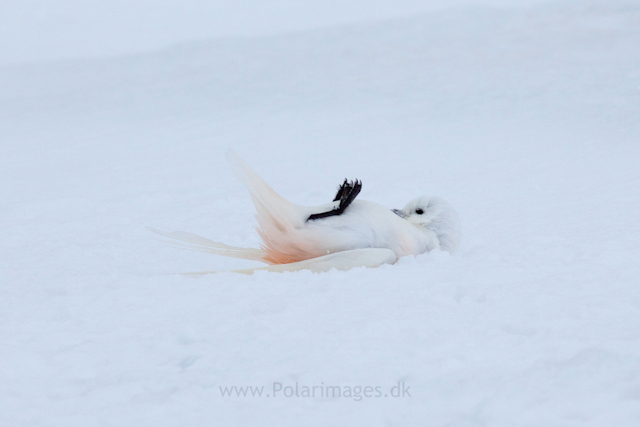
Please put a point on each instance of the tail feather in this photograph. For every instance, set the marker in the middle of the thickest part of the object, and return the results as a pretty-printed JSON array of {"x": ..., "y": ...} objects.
[{"x": 202, "y": 244}]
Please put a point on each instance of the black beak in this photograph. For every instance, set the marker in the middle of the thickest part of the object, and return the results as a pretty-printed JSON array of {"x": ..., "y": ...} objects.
[{"x": 398, "y": 212}]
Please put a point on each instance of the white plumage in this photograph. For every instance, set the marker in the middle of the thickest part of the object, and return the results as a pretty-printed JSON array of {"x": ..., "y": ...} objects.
[{"x": 364, "y": 234}]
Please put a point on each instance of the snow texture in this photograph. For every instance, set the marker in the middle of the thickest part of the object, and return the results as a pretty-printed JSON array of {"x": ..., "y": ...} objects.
[{"x": 526, "y": 119}]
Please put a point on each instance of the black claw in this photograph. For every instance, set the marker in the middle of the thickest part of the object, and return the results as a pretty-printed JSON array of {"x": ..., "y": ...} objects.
[{"x": 341, "y": 191}]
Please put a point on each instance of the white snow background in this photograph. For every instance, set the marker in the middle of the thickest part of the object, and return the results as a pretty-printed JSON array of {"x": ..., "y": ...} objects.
[{"x": 525, "y": 118}]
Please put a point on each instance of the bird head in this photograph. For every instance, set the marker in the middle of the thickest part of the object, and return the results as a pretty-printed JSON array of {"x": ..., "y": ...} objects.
[{"x": 435, "y": 215}]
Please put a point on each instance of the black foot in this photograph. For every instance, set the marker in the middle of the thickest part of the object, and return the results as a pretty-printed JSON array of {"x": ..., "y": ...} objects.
[{"x": 346, "y": 194}]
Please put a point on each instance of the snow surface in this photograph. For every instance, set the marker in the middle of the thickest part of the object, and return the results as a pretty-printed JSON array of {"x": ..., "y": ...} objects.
[
  {"x": 32, "y": 30},
  {"x": 525, "y": 119}
]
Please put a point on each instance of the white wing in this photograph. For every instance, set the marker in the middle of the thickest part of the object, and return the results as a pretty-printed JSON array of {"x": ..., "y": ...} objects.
[
  {"x": 369, "y": 257},
  {"x": 202, "y": 244},
  {"x": 279, "y": 220}
]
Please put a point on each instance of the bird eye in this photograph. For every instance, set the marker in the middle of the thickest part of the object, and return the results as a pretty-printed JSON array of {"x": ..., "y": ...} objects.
[{"x": 419, "y": 211}]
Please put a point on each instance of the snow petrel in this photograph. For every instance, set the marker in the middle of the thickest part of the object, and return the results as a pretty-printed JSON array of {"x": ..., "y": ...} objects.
[{"x": 343, "y": 234}]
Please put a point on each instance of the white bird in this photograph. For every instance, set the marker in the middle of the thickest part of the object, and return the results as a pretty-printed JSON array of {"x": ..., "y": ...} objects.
[{"x": 343, "y": 234}]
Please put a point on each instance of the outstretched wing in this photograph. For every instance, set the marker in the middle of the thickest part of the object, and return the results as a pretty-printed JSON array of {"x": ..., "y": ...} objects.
[
  {"x": 345, "y": 260},
  {"x": 201, "y": 244},
  {"x": 347, "y": 193}
]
